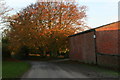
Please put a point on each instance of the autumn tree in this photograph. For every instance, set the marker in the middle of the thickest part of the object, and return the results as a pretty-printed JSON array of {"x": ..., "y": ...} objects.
[
  {"x": 4, "y": 9},
  {"x": 46, "y": 25}
]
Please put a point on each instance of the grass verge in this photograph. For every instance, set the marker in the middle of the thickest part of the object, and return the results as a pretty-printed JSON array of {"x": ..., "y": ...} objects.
[
  {"x": 103, "y": 70},
  {"x": 96, "y": 68},
  {"x": 12, "y": 69}
]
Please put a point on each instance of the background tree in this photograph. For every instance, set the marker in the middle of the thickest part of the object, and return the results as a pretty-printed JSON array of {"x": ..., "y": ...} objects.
[
  {"x": 3, "y": 11},
  {"x": 45, "y": 26},
  {"x": 3, "y": 17},
  {"x": 3, "y": 8}
]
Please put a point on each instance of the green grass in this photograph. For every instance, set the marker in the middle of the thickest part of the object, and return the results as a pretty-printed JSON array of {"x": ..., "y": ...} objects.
[
  {"x": 0, "y": 68},
  {"x": 12, "y": 69}
]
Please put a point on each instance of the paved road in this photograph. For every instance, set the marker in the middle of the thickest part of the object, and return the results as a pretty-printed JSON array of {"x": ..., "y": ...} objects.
[
  {"x": 62, "y": 69},
  {"x": 52, "y": 70}
]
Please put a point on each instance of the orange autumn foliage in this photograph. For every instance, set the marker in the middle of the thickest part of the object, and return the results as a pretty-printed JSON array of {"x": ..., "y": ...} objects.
[{"x": 46, "y": 25}]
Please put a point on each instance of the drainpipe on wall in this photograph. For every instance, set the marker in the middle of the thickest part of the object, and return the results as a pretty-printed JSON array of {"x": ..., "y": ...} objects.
[{"x": 94, "y": 36}]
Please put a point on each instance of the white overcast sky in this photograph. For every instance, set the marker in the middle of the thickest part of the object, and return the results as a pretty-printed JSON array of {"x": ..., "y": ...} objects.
[{"x": 100, "y": 12}]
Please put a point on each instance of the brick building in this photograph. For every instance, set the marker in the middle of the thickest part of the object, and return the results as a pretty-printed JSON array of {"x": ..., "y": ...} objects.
[{"x": 97, "y": 46}]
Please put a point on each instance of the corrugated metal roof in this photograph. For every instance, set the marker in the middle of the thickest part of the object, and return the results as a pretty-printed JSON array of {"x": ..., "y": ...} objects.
[
  {"x": 82, "y": 32},
  {"x": 92, "y": 29}
]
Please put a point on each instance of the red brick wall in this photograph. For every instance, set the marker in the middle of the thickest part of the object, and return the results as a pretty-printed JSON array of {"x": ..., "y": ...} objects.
[
  {"x": 108, "y": 61},
  {"x": 107, "y": 39},
  {"x": 75, "y": 51},
  {"x": 107, "y": 43},
  {"x": 119, "y": 45},
  {"x": 82, "y": 47}
]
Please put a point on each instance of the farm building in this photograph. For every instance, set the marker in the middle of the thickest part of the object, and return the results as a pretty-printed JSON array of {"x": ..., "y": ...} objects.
[{"x": 97, "y": 46}]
